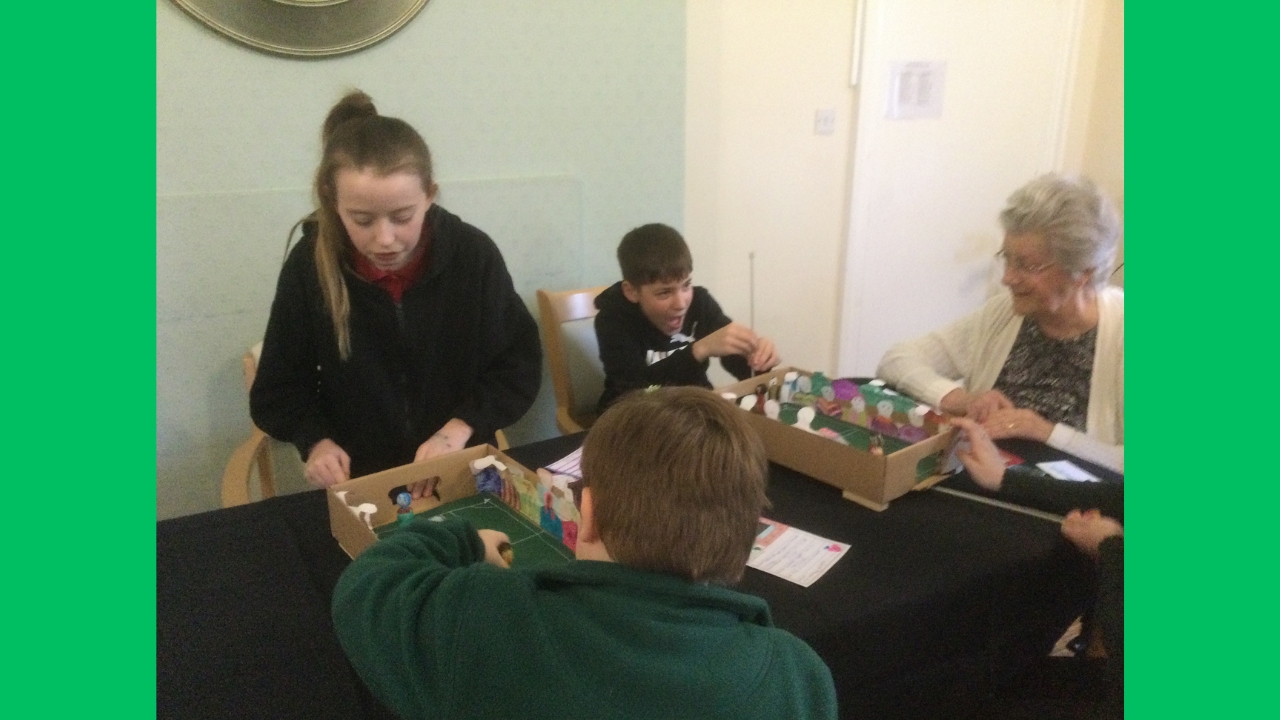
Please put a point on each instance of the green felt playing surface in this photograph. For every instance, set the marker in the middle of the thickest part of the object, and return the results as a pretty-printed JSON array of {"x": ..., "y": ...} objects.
[{"x": 531, "y": 546}]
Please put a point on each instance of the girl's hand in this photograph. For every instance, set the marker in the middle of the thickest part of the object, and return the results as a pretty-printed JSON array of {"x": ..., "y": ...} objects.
[
  {"x": 450, "y": 438},
  {"x": 327, "y": 464}
]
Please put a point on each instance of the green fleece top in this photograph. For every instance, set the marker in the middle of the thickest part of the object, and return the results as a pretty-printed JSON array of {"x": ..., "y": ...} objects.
[{"x": 435, "y": 632}]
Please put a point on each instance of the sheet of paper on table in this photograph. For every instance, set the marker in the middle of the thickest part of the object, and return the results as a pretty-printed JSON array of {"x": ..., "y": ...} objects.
[
  {"x": 1067, "y": 470},
  {"x": 570, "y": 465},
  {"x": 793, "y": 554}
]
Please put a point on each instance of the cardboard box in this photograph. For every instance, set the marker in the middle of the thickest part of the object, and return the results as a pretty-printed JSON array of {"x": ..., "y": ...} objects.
[
  {"x": 865, "y": 478},
  {"x": 456, "y": 481}
]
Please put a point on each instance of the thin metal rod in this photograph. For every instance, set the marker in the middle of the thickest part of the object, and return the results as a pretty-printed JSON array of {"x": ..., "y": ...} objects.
[{"x": 1001, "y": 504}]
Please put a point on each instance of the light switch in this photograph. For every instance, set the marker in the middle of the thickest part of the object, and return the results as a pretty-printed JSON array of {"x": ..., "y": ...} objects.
[{"x": 824, "y": 121}]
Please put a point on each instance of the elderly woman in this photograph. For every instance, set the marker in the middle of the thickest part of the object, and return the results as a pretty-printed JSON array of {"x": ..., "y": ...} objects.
[{"x": 1045, "y": 360}]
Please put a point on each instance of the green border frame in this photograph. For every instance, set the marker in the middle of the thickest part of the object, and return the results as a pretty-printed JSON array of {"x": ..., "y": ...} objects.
[
  {"x": 1200, "y": 516},
  {"x": 80, "y": 588}
]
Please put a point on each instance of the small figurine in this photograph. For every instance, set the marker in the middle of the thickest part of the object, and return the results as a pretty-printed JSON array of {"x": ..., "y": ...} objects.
[
  {"x": 844, "y": 389},
  {"x": 803, "y": 384},
  {"x": 772, "y": 408},
  {"x": 882, "y": 421},
  {"x": 828, "y": 407},
  {"x": 488, "y": 479},
  {"x": 803, "y": 419},
  {"x": 504, "y": 550},
  {"x": 819, "y": 385},
  {"x": 788, "y": 386},
  {"x": 775, "y": 390},
  {"x": 403, "y": 513},
  {"x": 876, "y": 446},
  {"x": 761, "y": 398}
]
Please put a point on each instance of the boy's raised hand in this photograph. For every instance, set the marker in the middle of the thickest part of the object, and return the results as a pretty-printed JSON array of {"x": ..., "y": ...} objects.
[
  {"x": 765, "y": 357},
  {"x": 732, "y": 339}
]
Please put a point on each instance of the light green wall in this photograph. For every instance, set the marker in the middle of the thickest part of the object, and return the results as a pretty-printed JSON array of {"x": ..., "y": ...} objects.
[{"x": 556, "y": 126}]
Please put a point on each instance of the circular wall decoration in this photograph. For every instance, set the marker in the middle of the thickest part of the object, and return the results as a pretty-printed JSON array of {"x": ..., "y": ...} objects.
[{"x": 304, "y": 27}]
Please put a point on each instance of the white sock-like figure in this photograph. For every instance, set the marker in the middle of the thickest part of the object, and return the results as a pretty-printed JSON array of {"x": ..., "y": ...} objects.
[
  {"x": 772, "y": 408},
  {"x": 804, "y": 416},
  {"x": 365, "y": 512}
]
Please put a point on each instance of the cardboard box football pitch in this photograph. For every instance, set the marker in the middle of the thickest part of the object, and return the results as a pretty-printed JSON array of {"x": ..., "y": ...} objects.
[
  {"x": 862, "y": 476},
  {"x": 371, "y": 496}
]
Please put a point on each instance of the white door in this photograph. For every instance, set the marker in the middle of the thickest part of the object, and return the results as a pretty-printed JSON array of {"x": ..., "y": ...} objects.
[{"x": 926, "y": 191}]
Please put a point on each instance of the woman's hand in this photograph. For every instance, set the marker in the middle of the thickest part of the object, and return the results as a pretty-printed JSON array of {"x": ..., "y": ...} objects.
[
  {"x": 982, "y": 459},
  {"x": 492, "y": 539},
  {"x": 450, "y": 438},
  {"x": 1017, "y": 423},
  {"x": 1086, "y": 530},
  {"x": 327, "y": 464},
  {"x": 976, "y": 406}
]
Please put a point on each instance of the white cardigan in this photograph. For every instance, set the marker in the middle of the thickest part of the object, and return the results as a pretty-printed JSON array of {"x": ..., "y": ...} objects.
[{"x": 970, "y": 353}]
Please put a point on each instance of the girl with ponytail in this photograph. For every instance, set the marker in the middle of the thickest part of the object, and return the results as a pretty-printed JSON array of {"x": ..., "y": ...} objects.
[{"x": 396, "y": 334}]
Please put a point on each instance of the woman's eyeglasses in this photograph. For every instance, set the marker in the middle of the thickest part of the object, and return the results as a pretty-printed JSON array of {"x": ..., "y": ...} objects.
[{"x": 1021, "y": 267}]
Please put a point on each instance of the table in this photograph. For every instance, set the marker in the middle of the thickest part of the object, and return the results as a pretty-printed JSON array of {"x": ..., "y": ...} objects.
[{"x": 937, "y": 598}]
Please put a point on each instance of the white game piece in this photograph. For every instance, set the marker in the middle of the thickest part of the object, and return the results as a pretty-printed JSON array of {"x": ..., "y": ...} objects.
[
  {"x": 789, "y": 385},
  {"x": 772, "y": 408},
  {"x": 365, "y": 512},
  {"x": 804, "y": 417},
  {"x": 885, "y": 408},
  {"x": 804, "y": 384},
  {"x": 748, "y": 402},
  {"x": 917, "y": 415},
  {"x": 486, "y": 461},
  {"x": 731, "y": 397},
  {"x": 877, "y": 382}
]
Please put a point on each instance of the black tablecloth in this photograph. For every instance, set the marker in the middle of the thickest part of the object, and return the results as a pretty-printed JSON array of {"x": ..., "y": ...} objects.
[{"x": 936, "y": 599}]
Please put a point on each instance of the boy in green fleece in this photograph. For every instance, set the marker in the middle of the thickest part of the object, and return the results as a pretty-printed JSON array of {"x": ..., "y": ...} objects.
[{"x": 641, "y": 625}]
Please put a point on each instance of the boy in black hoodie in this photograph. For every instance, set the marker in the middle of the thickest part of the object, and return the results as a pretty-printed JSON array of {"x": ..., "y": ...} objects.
[{"x": 656, "y": 328}]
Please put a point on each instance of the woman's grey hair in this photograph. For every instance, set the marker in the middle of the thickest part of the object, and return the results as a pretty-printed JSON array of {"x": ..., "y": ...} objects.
[{"x": 1078, "y": 222}]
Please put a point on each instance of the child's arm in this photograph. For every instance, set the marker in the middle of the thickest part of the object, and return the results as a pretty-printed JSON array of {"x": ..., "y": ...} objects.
[
  {"x": 396, "y": 609},
  {"x": 721, "y": 337},
  {"x": 510, "y": 355},
  {"x": 284, "y": 399}
]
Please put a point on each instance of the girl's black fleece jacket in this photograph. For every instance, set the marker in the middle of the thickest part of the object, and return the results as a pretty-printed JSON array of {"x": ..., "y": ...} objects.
[{"x": 460, "y": 344}]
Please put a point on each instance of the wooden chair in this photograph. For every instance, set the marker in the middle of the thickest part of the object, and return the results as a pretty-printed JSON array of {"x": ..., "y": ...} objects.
[
  {"x": 572, "y": 355},
  {"x": 238, "y": 474}
]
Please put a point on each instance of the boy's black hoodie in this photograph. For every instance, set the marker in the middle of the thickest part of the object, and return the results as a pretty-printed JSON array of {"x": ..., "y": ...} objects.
[{"x": 636, "y": 354}]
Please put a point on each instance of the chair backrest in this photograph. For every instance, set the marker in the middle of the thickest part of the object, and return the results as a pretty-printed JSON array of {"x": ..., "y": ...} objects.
[
  {"x": 250, "y": 362},
  {"x": 573, "y": 356},
  {"x": 254, "y": 452}
]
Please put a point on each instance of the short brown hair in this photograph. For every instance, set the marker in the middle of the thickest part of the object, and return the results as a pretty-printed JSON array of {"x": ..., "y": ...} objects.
[
  {"x": 654, "y": 253},
  {"x": 677, "y": 480}
]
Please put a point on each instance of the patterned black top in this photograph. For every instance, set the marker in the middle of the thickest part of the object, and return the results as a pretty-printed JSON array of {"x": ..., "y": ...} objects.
[{"x": 1050, "y": 376}]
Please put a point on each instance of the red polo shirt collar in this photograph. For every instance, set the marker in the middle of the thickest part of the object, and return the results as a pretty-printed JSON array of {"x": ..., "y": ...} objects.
[{"x": 397, "y": 282}]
